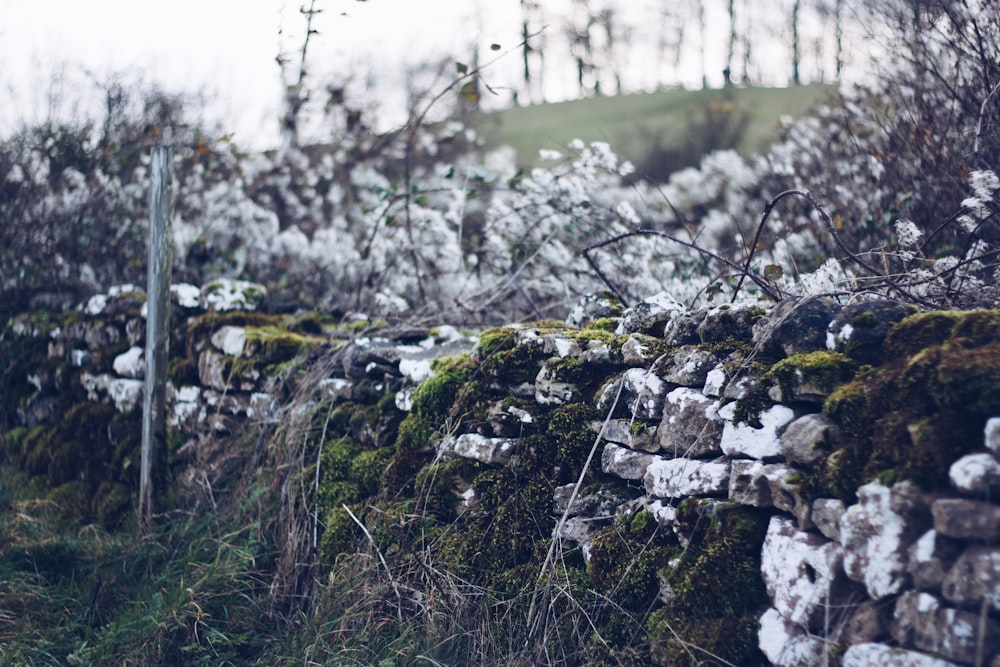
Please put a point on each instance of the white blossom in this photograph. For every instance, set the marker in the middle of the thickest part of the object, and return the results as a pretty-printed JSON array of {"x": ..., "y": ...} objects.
[{"x": 908, "y": 233}]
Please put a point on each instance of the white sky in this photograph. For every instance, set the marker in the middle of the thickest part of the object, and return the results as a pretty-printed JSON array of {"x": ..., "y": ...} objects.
[{"x": 227, "y": 48}]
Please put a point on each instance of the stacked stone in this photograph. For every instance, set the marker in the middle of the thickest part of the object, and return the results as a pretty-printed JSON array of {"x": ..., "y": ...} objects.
[{"x": 899, "y": 578}]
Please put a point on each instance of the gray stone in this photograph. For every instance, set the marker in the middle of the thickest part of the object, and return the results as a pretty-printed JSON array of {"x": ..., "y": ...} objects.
[
  {"x": 929, "y": 559},
  {"x": 802, "y": 573},
  {"x": 759, "y": 484},
  {"x": 880, "y": 655},
  {"x": 825, "y": 515},
  {"x": 921, "y": 622},
  {"x": 747, "y": 484},
  {"x": 689, "y": 367},
  {"x": 631, "y": 433},
  {"x": 807, "y": 439},
  {"x": 550, "y": 389},
  {"x": 860, "y": 328},
  {"x": 740, "y": 386},
  {"x": 560, "y": 345},
  {"x": 651, "y": 315},
  {"x": 41, "y": 408},
  {"x": 682, "y": 329},
  {"x": 592, "y": 307},
  {"x": 599, "y": 503},
  {"x": 135, "y": 331},
  {"x": 691, "y": 426},
  {"x": 637, "y": 351},
  {"x": 493, "y": 451},
  {"x": 742, "y": 440},
  {"x": 509, "y": 420},
  {"x": 991, "y": 435},
  {"x": 867, "y": 622},
  {"x": 786, "y": 644},
  {"x": 624, "y": 462},
  {"x": 728, "y": 322},
  {"x": 974, "y": 578},
  {"x": 876, "y": 536},
  {"x": 966, "y": 519},
  {"x": 644, "y": 393},
  {"x": 123, "y": 392},
  {"x": 976, "y": 474},
  {"x": 185, "y": 295},
  {"x": 216, "y": 373},
  {"x": 795, "y": 326},
  {"x": 679, "y": 478},
  {"x": 715, "y": 381}
]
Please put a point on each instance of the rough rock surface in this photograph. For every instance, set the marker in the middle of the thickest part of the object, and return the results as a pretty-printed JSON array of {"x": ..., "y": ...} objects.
[
  {"x": 802, "y": 572},
  {"x": 921, "y": 622},
  {"x": 691, "y": 426},
  {"x": 966, "y": 519},
  {"x": 786, "y": 644},
  {"x": 807, "y": 439},
  {"x": 974, "y": 578},
  {"x": 680, "y": 478},
  {"x": 875, "y": 537},
  {"x": 880, "y": 655},
  {"x": 929, "y": 559},
  {"x": 742, "y": 440},
  {"x": 624, "y": 462}
]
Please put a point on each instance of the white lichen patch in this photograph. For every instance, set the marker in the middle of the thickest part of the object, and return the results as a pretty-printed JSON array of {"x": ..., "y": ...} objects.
[
  {"x": 758, "y": 443},
  {"x": 975, "y": 473},
  {"x": 416, "y": 370},
  {"x": 186, "y": 295},
  {"x": 131, "y": 363},
  {"x": 679, "y": 478},
  {"x": 871, "y": 534}
]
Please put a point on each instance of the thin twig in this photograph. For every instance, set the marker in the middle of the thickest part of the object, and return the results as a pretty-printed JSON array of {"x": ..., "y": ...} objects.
[{"x": 388, "y": 572}]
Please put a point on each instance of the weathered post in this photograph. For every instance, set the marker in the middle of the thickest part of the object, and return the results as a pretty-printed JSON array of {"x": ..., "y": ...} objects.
[{"x": 157, "y": 325}]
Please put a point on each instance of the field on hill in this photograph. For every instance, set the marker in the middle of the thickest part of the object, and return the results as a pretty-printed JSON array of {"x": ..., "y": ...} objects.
[{"x": 634, "y": 124}]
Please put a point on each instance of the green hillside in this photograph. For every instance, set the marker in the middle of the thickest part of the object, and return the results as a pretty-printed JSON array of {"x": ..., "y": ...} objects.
[{"x": 634, "y": 123}]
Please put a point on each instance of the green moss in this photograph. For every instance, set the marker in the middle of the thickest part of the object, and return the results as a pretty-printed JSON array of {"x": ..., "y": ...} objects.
[
  {"x": 917, "y": 332},
  {"x": 183, "y": 371},
  {"x": 492, "y": 341},
  {"x": 865, "y": 320},
  {"x": 718, "y": 593},
  {"x": 825, "y": 371},
  {"x": 339, "y": 534},
  {"x": 367, "y": 468},
  {"x": 12, "y": 440},
  {"x": 625, "y": 558},
  {"x": 278, "y": 345},
  {"x": 925, "y": 408},
  {"x": 435, "y": 398},
  {"x": 569, "y": 439},
  {"x": 602, "y": 324},
  {"x": 202, "y": 327}
]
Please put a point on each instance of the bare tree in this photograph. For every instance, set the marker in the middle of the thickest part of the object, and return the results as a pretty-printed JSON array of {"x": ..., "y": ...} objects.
[{"x": 294, "y": 80}]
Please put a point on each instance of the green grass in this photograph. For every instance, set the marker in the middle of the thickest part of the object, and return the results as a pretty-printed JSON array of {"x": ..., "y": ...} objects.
[{"x": 632, "y": 123}]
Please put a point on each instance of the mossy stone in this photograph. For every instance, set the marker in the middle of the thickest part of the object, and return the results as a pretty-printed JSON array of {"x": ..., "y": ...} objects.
[
  {"x": 821, "y": 370},
  {"x": 914, "y": 416}
]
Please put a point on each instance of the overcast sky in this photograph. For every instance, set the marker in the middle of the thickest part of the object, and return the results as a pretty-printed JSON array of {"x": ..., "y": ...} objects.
[{"x": 227, "y": 48}]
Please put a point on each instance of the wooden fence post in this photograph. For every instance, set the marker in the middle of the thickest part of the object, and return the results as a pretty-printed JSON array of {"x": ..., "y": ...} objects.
[{"x": 157, "y": 327}]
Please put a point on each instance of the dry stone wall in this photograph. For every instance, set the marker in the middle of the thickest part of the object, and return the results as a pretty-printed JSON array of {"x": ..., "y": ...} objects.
[{"x": 844, "y": 432}]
